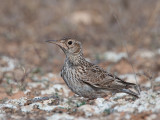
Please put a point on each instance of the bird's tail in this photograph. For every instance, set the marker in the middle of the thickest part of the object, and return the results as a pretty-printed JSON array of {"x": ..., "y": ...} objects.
[{"x": 130, "y": 92}]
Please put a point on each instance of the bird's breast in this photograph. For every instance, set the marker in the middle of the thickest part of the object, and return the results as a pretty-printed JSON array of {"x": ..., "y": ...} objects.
[
  {"x": 72, "y": 77},
  {"x": 69, "y": 75}
]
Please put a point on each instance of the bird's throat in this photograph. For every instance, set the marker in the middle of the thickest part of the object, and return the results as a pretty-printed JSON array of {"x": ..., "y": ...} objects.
[{"x": 74, "y": 59}]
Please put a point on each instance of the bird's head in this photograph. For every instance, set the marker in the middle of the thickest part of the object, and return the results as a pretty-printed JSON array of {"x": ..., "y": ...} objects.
[{"x": 68, "y": 45}]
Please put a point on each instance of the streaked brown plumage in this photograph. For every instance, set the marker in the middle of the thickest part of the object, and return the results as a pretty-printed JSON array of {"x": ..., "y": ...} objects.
[{"x": 87, "y": 79}]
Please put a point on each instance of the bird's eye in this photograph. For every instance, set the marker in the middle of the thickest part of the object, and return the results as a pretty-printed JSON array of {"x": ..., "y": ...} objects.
[{"x": 69, "y": 42}]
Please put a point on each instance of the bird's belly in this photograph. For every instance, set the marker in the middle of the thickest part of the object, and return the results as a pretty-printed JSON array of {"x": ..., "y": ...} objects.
[{"x": 78, "y": 86}]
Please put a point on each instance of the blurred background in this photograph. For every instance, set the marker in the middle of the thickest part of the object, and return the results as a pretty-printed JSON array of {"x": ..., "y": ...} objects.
[
  {"x": 106, "y": 25},
  {"x": 118, "y": 35}
]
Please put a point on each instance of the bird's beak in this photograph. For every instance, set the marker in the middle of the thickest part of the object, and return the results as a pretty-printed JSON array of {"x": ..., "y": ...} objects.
[
  {"x": 57, "y": 42},
  {"x": 60, "y": 43},
  {"x": 53, "y": 41}
]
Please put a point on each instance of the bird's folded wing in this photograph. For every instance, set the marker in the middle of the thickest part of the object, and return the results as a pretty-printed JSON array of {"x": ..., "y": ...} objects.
[{"x": 99, "y": 78}]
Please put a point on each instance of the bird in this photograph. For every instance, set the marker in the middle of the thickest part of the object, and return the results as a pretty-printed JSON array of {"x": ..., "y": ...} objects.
[{"x": 86, "y": 79}]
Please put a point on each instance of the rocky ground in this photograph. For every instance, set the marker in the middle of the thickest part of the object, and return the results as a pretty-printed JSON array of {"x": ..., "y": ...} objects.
[{"x": 116, "y": 35}]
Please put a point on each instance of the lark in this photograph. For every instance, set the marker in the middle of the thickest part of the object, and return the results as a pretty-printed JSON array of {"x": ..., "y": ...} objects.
[{"x": 87, "y": 79}]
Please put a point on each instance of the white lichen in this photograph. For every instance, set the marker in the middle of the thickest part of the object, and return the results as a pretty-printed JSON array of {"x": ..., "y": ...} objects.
[
  {"x": 54, "y": 88},
  {"x": 42, "y": 106},
  {"x": 148, "y": 101},
  {"x": 63, "y": 116},
  {"x": 36, "y": 84},
  {"x": 145, "y": 53},
  {"x": 129, "y": 77},
  {"x": 10, "y": 64},
  {"x": 114, "y": 57},
  {"x": 157, "y": 79}
]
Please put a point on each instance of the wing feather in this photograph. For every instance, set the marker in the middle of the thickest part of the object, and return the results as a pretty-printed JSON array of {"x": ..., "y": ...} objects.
[{"x": 99, "y": 78}]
